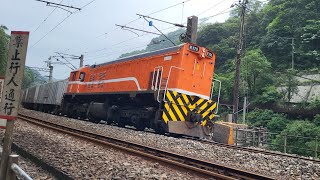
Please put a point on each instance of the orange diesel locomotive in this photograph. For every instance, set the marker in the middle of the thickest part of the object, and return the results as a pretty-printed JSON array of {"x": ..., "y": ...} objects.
[{"x": 168, "y": 90}]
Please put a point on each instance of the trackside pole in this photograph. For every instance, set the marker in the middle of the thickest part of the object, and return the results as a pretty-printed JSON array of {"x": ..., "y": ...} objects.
[{"x": 11, "y": 91}]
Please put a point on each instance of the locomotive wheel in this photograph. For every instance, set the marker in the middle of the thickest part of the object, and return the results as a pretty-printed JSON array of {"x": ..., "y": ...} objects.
[
  {"x": 138, "y": 123},
  {"x": 92, "y": 119},
  {"x": 121, "y": 122}
]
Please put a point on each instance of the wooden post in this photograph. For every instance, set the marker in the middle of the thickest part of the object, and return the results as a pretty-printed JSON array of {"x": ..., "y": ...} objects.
[
  {"x": 285, "y": 144},
  {"x": 253, "y": 137},
  {"x": 13, "y": 158},
  {"x": 316, "y": 148},
  {"x": 236, "y": 136},
  {"x": 11, "y": 91}
]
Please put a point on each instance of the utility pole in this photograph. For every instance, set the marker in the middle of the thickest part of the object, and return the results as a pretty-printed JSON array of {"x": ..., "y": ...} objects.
[
  {"x": 243, "y": 6},
  {"x": 81, "y": 60}
]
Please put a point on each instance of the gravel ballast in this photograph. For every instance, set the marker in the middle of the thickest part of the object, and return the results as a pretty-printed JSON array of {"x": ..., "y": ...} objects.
[
  {"x": 278, "y": 166},
  {"x": 81, "y": 159}
]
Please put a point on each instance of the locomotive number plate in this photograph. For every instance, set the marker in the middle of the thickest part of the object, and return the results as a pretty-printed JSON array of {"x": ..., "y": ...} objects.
[
  {"x": 193, "y": 48},
  {"x": 209, "y": 54}
]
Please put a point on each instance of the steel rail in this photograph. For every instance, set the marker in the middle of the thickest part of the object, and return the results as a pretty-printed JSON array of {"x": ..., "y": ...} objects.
[
  {"x": 39, "y": 162},
  {"x": 266, "y": 152},
  {"x": 203, "y": 168}
]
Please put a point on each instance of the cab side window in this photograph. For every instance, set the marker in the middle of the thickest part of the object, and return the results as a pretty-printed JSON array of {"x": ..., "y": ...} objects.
[
  {"x": 73, "y": 76},
  {"x": 82, "y": 76}
]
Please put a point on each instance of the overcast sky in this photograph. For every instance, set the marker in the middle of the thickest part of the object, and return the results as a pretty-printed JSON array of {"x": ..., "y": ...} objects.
[{"x": 92, "y": 31}]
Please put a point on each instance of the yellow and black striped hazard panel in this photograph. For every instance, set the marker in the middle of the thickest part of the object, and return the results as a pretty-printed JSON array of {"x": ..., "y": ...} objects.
[{"x": 178, "y": 105}]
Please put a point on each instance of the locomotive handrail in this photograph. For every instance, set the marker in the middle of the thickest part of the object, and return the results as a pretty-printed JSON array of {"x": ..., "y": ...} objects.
[
  {"x": 157, "y": 78},
  {"x": 219, "y": 92},
  {"x": 204, "y": 68},
  {"x": 156, "y": 86},
  {"x": 166, "y": 88}
]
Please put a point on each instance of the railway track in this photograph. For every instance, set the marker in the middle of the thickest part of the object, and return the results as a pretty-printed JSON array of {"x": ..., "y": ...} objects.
[
  {"x": 266, "y": 152},
  {"x": 200, "y": 167},
  {"x": 37, "y": 161}
]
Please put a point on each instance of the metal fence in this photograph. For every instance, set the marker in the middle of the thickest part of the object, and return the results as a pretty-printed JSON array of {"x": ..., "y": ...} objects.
[{"x": 286, "y": 143}]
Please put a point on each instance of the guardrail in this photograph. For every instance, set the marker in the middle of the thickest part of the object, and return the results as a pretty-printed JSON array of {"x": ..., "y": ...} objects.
[{"x": 14, "y": 170}]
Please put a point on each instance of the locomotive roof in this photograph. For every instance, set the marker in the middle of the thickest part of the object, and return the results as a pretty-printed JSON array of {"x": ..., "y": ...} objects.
[{"x": 142, "y": 55}]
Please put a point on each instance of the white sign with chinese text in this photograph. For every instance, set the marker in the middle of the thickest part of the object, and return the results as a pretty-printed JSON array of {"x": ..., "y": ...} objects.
[{"x": 14, "y": 74}]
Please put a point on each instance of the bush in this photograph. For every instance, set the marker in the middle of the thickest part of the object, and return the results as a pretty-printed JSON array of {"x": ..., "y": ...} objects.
[
  {"x": 267, "y": 118},
  {"x": 269, "y": 95},
  {"x": 299, "y": 128}
]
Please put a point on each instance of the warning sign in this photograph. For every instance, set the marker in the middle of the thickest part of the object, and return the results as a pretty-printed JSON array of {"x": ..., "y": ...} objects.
[{"x": 14, "y": 74}]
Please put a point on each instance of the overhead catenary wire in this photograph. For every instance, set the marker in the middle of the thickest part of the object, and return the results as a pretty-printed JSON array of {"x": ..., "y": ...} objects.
[
  {"x": 49, "y": 3},
  {"x": 115, "y": 52},
  {"x": 211, "y": 7},
  {"x": 148, "y": 15},
  {"x": 45, "y": 19},
  {"x": 59, "y": 24},
  {"x": 103, "y": 49},
  {"x": 51, "y": 30},
  {"x": 116, "y": 44}
]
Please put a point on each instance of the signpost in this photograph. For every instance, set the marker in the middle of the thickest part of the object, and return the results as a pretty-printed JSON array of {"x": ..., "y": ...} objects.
[{"x": 11, "y": 91}]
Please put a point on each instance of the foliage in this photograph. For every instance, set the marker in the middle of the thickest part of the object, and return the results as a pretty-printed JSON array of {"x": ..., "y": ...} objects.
[
  {"x": 132, "y": 53},
  {"x": 316, "y": 120},
  {"x": 274, "y": 122},
  {"x": 4, "y": 41},
  {"x": 296, "y": 133},
  {"x": 284, "y": 20},
  {"x": 157, "y": 43},
  {"x": 315, "y": 103},
  {"x": 269, "y": 95},
  {"x": 256, "y": 71},
  {"x": 31, "y": 77},
  {"x": 288, "y": 84},
  {"x": 227, "y": 80}
]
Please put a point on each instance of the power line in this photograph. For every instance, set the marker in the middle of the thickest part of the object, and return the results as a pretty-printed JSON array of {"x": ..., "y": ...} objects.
[
  {"x": 51, "y": 30},
  {"x": 211, "y": 7},
  {"x": 126, "y": 27},
  {"x": 175, "y": 24},
  {"x": 160, "y": 31},
  {"x": 148, "y": 15},
  {"x": 88, "y": 4},
  {"x": 47, "y": 17},
  {"x": 94, "y": 51},
  {"x": 58, "y": 5},
  {"x": 116, "y": 28},
  {"x": 103, "y": 49},
  {"x": 115, "y": 52},
  {"x": 59, "y": 22}
]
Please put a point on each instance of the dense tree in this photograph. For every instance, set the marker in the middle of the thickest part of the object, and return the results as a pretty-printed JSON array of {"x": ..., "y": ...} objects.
[
  {"x": 284, "y": 20},
  {"x": 4, "y": 41},
  {"x": 300, "y": 136},
  {"x": 256, "y": 71}
]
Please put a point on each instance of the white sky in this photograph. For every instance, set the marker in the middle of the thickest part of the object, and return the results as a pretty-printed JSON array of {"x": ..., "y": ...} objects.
[{"x": 82, "y": 32}]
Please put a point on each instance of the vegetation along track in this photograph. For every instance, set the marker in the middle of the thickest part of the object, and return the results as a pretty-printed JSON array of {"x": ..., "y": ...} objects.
[
  {"x": 203, "y": 168},
  {"x": 266, "y": 152}
]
